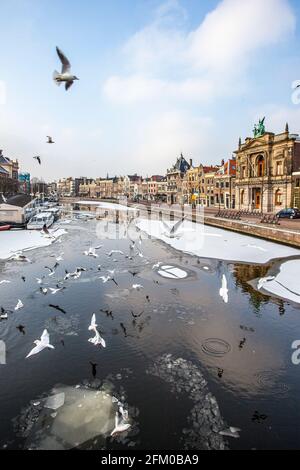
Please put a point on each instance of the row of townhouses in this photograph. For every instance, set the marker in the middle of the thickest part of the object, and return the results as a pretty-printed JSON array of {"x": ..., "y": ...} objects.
[{"x": 263, "y": 174}]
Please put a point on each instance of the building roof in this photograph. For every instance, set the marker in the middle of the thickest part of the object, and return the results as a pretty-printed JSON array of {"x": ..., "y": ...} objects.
[
  {"x": 181, "y": 165},
  {"x": 134, "y": 178},
  {"x": 20, "y": 200},
  {"x": 210, "y": 169},
  {"x": 3, "y": 159},
  {"x": 3, "y": 171},
  {"x": 157, "y": 178}
]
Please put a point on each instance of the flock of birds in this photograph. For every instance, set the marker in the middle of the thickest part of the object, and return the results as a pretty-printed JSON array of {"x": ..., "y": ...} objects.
[
  {"x": 121, "y": 418},
  {"x": 66, "y": 77}
]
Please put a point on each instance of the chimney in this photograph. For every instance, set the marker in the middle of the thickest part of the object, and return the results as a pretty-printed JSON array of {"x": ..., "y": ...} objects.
[
  {"x": 191, "y": 162},
  {"x": 223, "y": 162}
]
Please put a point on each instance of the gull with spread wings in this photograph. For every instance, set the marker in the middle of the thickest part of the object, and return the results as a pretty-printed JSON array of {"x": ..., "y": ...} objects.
[{"x": 65, "y": 75}]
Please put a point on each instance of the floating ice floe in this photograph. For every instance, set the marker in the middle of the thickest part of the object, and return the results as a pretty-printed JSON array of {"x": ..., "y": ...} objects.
[
  {"x": 72, "y": 417},
  {"x": 205, "y": 422},
  {"x": 286, "y": 283},
  {"x": 171, "y": 272},
  {"x": 24, "y": 240},
  {"x": 55, "y": 401},
  {"x": 210, "y": 242}
]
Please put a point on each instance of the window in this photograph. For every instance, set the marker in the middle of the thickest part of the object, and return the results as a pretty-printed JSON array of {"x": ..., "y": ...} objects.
[
  {"x": 297, "y": 184},
  {"x": 279, "y": 168},
  {"x": 242, "y": 196},
  {"x": 260, "y": 166},
  {"x": 278, "y": 198},
  {"x": 243, "y": 172}
]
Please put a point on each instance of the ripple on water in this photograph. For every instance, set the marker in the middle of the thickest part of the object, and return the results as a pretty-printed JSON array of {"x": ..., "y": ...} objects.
[
  {"x": 269, "y": 378},
  {"x": 215, "y": 347}
]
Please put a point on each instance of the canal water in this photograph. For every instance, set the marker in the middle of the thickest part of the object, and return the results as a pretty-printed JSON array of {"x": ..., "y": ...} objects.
[{"x": 186, "y": 365}]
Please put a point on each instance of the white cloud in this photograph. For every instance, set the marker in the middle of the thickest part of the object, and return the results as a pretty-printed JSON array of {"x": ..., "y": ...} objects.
[
  {"x": 207, "y": 62},
  {"x": 137, "y": 88},
  {"x": 162, "y": 137},
  {"x": 2, "y": 92},
  {"x": 236, "y": 29}
]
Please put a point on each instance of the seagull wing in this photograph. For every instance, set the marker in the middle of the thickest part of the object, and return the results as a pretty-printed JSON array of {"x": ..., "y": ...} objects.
[
  {"x": 65, "y": 63},
  {"x": 93, "y": 324},
  {"x": 69, "y": 84},
  {"x": 36, "y": 350},
  {"x": 177, "y": 225},
  {"x": 45, "y": 338},
  {"x": 166, "y": 226}
]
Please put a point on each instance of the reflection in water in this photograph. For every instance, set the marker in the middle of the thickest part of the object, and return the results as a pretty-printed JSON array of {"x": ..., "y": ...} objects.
[{"x": 238, "y": 353}]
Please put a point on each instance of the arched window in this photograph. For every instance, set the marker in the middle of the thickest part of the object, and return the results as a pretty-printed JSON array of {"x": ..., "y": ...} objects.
[{"x": 260, "y": 166}]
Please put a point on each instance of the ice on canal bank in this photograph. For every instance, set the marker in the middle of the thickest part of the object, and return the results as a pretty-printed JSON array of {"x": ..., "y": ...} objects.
[
  {"x": 286, "y": 283},
  {"x": 24, "y": 240},
  {"x": 210, "y": 242},
  {"x": 107, "y": 205}
]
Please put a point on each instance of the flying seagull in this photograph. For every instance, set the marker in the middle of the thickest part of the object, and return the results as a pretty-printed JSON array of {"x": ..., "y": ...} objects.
[
  {"x": 41, "y": 344},
  {"x": 263, "y": 281},
  {"x": 97, "y": 338},
  {"x": 91, "y": 252},
  {"x": 137, "y": 286},
  {"x": 20, "y": 257},
  {"x": 115, "y": 252},
  {"x": 224, "y": 290},
  {"x": 172, "y": 232},
  {"x": 57, "y": 307},
  {"x": 21, "y": 329},
  {"x": 58, "y": 289},
  {"x": 19, "y": 305},
  {"x": 50, "y": 140},
  {"x": 120, "y": 425},
  {"x": 38, "y": 159},
  {"x": 65, "y": 75}
]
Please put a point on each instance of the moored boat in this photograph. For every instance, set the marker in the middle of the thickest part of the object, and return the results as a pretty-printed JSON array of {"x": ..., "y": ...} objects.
[
  {"x": 4, "y": 227},
  {"x": 40, "y": 220}
]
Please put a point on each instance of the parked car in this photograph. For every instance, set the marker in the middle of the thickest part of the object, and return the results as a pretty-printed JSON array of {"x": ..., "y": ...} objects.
[{"x": 289, "y": 214}]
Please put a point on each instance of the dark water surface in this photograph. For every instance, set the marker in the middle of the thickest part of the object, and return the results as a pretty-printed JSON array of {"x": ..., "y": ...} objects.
[{"x": 247, "y": 366}]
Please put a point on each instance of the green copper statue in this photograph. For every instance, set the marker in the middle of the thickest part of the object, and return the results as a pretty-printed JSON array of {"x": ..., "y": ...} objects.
[{"x": 259, "y": 129}]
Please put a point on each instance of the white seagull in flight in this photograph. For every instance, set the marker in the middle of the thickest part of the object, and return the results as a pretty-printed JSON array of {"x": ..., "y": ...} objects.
[
  {"x": 97, "y": 338},
  {"x": 41, "y": 344},
  {"x": 120, "y": 426},
  {"x": 65, "y": 75},
  {"x": 19, "y": 305}
]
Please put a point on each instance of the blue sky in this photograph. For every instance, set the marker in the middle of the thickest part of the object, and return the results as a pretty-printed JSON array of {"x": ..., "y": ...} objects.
[{"x": 156, "y": 79}]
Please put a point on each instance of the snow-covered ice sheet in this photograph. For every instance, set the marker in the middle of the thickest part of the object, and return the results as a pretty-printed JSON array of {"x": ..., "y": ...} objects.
[
  {"x": 210, "y": 242},
  {"x": 106, "y": 205},
  {"x": 23, "y": 240},
  {"x": 287, "y": 282}
]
